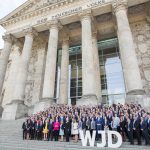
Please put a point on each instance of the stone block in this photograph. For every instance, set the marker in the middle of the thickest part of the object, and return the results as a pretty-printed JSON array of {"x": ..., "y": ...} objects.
[
  {"x": 44, "y": 104},
  {"x": 87, "y": 100},
  {"x": 14, "y": 110},
  {"x": 1, "y": 110}
]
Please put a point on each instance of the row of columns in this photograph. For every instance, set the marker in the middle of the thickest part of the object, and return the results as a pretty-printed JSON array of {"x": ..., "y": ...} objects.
[{"x": 90, "y": 60}]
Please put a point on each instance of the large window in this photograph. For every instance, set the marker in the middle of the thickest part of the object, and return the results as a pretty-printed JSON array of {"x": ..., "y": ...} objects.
[
  {"x": 112, "y": 80},
  {"x": 75, "y": 60}
]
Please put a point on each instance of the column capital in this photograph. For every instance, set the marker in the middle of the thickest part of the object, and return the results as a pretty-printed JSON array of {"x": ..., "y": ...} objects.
[
  {"x": 31, "y": 32},
  {"x": 85, "y": 14},
  {"x": 8, "y": 38},
  {"x": 18, "y": 43},
  {"x": 119, "y": 5},
  {"x": 54, "y": 24}
]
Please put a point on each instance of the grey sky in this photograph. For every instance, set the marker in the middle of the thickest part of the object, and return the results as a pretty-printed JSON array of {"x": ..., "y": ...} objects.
[{"x": 6, "y": 7}]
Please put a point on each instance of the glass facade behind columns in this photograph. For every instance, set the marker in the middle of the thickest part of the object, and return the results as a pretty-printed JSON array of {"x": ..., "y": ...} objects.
[{"x": 112, "y": 80}]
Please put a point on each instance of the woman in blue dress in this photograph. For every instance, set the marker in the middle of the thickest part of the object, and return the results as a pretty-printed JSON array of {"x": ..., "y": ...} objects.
[{"x": 61, "y": 131}]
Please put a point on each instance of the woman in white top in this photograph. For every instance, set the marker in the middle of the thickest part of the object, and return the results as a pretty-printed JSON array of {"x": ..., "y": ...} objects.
[{"x": 75, "y": 130}]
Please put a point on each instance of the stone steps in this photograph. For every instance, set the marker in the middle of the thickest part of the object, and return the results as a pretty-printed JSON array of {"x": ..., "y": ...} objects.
[{"x": 11, "y": 139}]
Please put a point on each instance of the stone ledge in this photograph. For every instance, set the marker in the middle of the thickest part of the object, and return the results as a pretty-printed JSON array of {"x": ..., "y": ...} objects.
[
  {"x": 14, "y": 110},
  {"x": 44, "y": 104},
  {"x": 87, "y": 100}
]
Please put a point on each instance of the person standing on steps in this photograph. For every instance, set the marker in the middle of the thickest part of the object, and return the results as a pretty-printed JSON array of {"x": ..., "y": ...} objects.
[
  {"x": 136, "y": 128},
  {"x": 75, "y": 130},
  {"x": 130, "y": 130},
  {"x": 67, "y": 128},
  {"x": 56, "y": 127},
  {"x": 24, "y": 128},
  {"x": 145, "y": 131},
  {"x": 61, "y": 131},
  {"x": 50, "y": 129},
  {"x": 45, "y": 130}
]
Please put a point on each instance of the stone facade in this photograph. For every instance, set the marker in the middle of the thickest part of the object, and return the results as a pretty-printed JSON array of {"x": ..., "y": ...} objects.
[{"x": 29, "y": 82}]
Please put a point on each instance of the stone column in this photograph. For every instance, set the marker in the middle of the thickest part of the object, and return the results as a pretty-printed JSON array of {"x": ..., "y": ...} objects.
[
  {"x": 16, "y": 108},
  {"x": 19, "y": 92},
  {"x": 97, "y": 67},
  {"x": 64, "y": 73},
  {"x": 50, "y": 68},
  {"x": 127, "y": 49},
  {"x": 4, "y": 58},
  {"x": 88, "y": 70}
]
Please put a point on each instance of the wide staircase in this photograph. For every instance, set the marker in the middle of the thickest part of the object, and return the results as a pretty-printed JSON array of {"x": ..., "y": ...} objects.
[{"x": 11, "y": 139}]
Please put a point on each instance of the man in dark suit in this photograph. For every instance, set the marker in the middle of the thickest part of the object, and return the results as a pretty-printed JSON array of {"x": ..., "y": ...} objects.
[
  {"x": 50, "y": 130},
  {"x": 24, "y": 127},
  {"x": 130, "y": 130},
  {"x": 67, "y": 128},
  {"x": 136, "y": 128},
  {"x": 148, "y": 124},
  {"x": 99, "y": 126},
  {"x": 144, "y": 130},
  {"x": 33, "y": 129}
]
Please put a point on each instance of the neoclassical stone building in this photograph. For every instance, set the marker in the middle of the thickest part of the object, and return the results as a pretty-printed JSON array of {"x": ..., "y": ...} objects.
[{"x": 81, "y": 52}]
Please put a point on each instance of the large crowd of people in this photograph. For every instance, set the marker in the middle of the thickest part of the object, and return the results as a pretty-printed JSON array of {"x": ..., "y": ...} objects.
[{"x": 63, "y": 123}]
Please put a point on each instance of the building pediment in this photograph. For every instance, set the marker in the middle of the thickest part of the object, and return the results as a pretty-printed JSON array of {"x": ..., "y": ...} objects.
[
  {"x": 31, "y": 6},
  {"x": 36, "y": 13}
]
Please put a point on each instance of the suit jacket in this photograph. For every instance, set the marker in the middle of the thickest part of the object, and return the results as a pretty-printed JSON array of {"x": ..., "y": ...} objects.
[
  {"x": 136, "y": 124},
  {"x": 67, "y": 127},
  {"x": 144, "y": 126},
  {"x": 148, "y": 124}
]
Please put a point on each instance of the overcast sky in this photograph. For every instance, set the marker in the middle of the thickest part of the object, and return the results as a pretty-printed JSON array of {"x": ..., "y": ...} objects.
[{"x": 6, "y": 6}]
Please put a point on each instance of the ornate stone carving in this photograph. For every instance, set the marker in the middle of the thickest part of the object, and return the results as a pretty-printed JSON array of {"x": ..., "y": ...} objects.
[
  {"x": 141, "y": 34},
  {"x": 8, "y": 38},
  {"x": 30, "y": 31},
  {"x": 28, "y": 92},
  {"x": 54, "y": 24},
  {"x": 86, "y": 14},
  {"x": 36, "y": 8},
  {"x": 119, "y": 4}
]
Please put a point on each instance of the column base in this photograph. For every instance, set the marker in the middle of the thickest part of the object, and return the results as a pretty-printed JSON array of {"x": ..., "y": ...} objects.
[
  {"x": 134, "y": 99},
  {"x": 44, "y": 104},
  {"x": 136, "y": 92},
  {"x": 87, "y": 100},
  {"x": 143, "y": 100},
  {"x": 69, "y": 102},
  {"x": 14, "y": 110},
  {"x": 1, "y": 111}
]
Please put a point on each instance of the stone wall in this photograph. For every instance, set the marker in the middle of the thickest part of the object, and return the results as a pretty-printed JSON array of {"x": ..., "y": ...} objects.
[{"x": 141, "y": 34}]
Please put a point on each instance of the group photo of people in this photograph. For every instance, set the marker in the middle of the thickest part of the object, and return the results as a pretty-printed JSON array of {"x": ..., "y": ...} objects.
[{"x": 63, "y": 123}]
